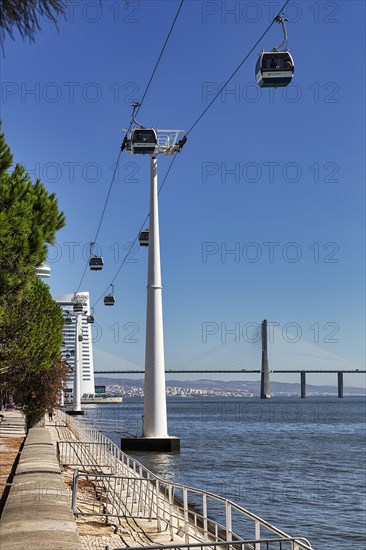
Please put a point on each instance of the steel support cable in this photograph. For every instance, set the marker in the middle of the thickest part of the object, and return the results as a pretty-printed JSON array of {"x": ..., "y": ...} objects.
[
  {"x": 193, "y": 126},
  {"x": 160, "y": 56},
  {"x": 236, "y": 70},
  {"x": 137, "y": 110},
  {"x": 101, "y": 218}
]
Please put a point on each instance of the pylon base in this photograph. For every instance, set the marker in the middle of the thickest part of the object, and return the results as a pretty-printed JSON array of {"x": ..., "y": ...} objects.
[{"x": 151, "y": 444}]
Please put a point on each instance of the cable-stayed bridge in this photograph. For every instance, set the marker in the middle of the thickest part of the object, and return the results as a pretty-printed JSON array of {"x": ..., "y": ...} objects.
[{"x": 233, "y": 355}]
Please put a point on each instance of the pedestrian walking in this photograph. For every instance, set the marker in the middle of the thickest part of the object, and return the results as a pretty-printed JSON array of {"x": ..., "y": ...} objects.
[{"x": 50, "y": 413}]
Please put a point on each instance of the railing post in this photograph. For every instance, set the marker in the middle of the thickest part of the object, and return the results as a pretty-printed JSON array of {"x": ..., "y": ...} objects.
[
  {"x": 228, "y": 520},
  {"x": 204, "y": 513},
  {"x": 186, "y": 518},
  {"x": 170, "y": 496},
  {"x": 74, "y": 490},
  {"x": 158, "y": 519},
  {"x": 257, "y": 527}
]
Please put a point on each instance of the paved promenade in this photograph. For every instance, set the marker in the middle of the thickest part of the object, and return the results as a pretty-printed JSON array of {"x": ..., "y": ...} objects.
[
  {"x": 37, "y": 511},
  {"x": 12, "y": 435}
]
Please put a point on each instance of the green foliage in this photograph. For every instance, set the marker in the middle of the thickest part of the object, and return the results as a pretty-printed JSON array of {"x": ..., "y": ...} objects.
[
  {"x": 25, "y": 15},
  {"x": 31, "y": 331},
  {"x": 31, "y": 337},
  {"x": 36, "y": 391},
  {"x": 30, "y": 320},
  {"x": 29, "y": 218}
]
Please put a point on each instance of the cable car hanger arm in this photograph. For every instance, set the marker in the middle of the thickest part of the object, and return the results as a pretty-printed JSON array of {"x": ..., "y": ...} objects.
[
  {"x": 136, "y": 105},
  {"x": 280, "y": 19}
]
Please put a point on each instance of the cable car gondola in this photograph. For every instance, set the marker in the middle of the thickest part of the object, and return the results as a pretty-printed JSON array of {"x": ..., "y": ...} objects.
[
  {"x": 78, "y": 307},
  {"x": 143, "y": 141},
  {"x": 109, "y": 298},
  {"x": 68, "y": 321},
  {"x": 275, "y": 69},
  {"x": 95, "y": 262},
  {"x": 80, "y": 338},
  {"x": 144, "y": 237},
  {"x": 90, "y": 317}
]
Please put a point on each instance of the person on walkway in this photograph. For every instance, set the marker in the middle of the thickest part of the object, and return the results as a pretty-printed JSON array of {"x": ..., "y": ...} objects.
[{"x": 50, "y": 413}]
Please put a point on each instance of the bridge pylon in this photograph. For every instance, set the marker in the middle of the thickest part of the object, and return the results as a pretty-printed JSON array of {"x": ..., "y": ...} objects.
[{"x": 265, "y": 385}]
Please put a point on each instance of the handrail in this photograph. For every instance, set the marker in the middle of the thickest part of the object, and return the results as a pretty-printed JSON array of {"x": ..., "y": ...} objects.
[{"x": 234, "y": 544}]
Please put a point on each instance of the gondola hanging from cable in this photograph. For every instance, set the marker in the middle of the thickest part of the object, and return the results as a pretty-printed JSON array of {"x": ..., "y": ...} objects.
[
  {"x": 78, "y": 307},
  {"x": 95, "y": 262},
  {"x": 109, "y": 298},
  {"x": 144, "y": 237},
  {"x": 90, "y": 317},
  {"x": 275, "y": 69},
  {"x": 139, "y": 140}
]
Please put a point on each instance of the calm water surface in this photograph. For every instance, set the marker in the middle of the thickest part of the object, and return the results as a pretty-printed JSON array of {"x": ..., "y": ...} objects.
[{"x": 299, "y": 464}]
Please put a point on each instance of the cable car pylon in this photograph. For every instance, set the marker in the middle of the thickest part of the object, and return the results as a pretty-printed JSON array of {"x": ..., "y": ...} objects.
[{"x": 141, "y": 140}]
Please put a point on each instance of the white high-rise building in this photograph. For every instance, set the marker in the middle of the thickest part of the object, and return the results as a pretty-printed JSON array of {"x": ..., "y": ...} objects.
[{"x": 69, "y": 340}]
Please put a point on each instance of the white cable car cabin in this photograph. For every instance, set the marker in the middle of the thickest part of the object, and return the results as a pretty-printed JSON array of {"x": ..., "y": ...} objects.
[
  {"x": 109, "y": 300},
  {"x": 144, "y": 237},
  {"x": 274, "y": 69},
  {"x": 96, "y": 263},
  {"x": 143, "y": 141}
]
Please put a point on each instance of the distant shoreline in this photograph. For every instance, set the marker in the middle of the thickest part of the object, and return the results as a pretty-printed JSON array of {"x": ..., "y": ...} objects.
[{"x": 206, "y": 388}]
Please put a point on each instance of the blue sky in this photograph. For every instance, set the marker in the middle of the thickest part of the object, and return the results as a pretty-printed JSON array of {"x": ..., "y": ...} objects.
[{"x": 275, "y": 175}]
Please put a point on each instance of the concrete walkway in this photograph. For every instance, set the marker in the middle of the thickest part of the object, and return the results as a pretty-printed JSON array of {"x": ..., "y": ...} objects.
[
  {"x": 37, "y": 512},
  {"x": 12, "y": 425}
]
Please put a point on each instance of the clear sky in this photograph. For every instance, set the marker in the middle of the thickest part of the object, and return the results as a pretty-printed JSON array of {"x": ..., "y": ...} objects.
[{"x": 274, "y": 176}]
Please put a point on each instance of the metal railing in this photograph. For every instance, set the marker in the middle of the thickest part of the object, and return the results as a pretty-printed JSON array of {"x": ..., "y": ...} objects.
[
  {"x": 131, "y": 490},
  {"x": 266, "y": 544}
]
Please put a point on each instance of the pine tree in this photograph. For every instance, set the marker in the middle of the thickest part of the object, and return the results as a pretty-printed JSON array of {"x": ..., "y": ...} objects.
[
  {"x": 29, "y": 219},
  {"x": 25, "y": 15},
  {"x": 30, "y": 320}
]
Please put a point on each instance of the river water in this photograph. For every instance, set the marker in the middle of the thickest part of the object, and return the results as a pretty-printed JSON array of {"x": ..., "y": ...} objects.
[{"x": 299, "y": 464}]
